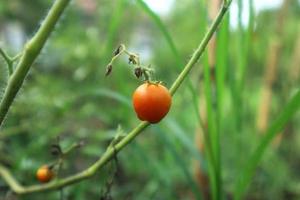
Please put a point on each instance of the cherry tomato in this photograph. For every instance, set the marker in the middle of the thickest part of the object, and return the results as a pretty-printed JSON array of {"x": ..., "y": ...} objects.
[
  {"x": 151, "y": 102},
  {"x": 44, "y": 174}
]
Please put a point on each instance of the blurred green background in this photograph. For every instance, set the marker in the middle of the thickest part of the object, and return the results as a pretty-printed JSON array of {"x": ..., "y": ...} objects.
[{"x": 66, "y": 94}]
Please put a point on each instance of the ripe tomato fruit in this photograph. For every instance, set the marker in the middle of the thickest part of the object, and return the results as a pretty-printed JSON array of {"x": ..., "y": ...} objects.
[
  {"x": 151, "y": 102},
  {"x": 44, "y": 174}
]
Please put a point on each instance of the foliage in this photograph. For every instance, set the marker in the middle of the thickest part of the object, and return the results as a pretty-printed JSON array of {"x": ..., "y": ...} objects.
[{"x": 66, "y": 94}]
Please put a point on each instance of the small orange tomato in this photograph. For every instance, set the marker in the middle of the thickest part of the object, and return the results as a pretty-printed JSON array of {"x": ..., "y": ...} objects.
[
  {"x": 44, "y": 174},
  {"x": 151, "y": 102}
]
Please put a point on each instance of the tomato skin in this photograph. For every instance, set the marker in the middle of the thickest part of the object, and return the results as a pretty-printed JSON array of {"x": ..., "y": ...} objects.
[
  {"x": 44, "y": 174},
  {"x": 151, "y": 102}
]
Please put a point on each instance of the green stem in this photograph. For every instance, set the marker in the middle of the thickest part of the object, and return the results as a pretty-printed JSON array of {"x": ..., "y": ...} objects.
[
  {"x": 32, "y": 50},
  {"x": 16, "y": 57},
  {"x": 110, "y": 152},
  {"x": 75, "y": 145},
  {"x": 146, "y": 75},
  {"x": 87, "y": 173},
  {"x": 197, "y": 54}
]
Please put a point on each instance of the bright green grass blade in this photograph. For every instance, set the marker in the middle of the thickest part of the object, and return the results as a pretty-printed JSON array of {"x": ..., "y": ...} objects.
[
  {"x": 222, "y": 60},
  {"x": 245, "y": 177},
  {"x": 213, "y": 139},
  {"x": 220, "y": 70},
  {"x": 237, "y": 78}
]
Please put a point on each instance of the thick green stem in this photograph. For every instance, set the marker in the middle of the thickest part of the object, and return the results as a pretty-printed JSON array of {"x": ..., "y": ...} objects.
[
  {"x": 110, "y": 152},
  {"x": 32, "y": 50}
]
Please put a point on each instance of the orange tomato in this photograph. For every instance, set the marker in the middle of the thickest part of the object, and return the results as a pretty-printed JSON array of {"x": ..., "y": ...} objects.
[
  {"x": 44, "y": 174},
  {"x": 151, "y": 102}
]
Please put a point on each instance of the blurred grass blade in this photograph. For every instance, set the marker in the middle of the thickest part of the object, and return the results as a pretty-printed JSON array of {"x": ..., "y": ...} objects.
[
  {"x": 185, "y": 140},
  {"x": 109, "y": 94},
  {"x": 245, "y": 177},
  {"x": 246, "y": 37},
  {"x": 156, "y": 169},
  {"x": 114, "y": 25},
  {"x": 212, "y": 134},
  {"x": 222, "y": 61},
  {"x": 220, "y": 70},
  {"x": 163, "y": 29},
  {"x": 241, "y": 49},
  {"x": 179, "y": 162}
]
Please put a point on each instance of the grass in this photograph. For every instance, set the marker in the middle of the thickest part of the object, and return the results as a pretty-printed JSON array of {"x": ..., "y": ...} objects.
[
  {"x": 215, "y": 98},
  {"x": 275, "y": 128}
]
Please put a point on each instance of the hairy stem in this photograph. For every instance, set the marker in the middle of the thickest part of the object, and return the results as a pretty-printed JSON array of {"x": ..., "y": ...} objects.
[{"x": 31, "y": 51}]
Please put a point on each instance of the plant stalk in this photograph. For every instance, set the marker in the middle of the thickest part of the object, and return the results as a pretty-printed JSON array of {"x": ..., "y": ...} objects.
[{"x": 31, "y": 51}]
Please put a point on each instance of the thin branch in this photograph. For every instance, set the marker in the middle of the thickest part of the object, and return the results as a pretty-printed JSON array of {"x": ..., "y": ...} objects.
[
  {"x": 10, "y": 180},
  {"x": 16, "y": 57},
  {"x": 87, "y": 173},
  {"x": 8, "y": 61},
  {"x": 110, "y": 152},
  {"x": 31, "y": 51},
  {"x": 5, "y": 56},
  {"x": 72, "y": 147}
]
